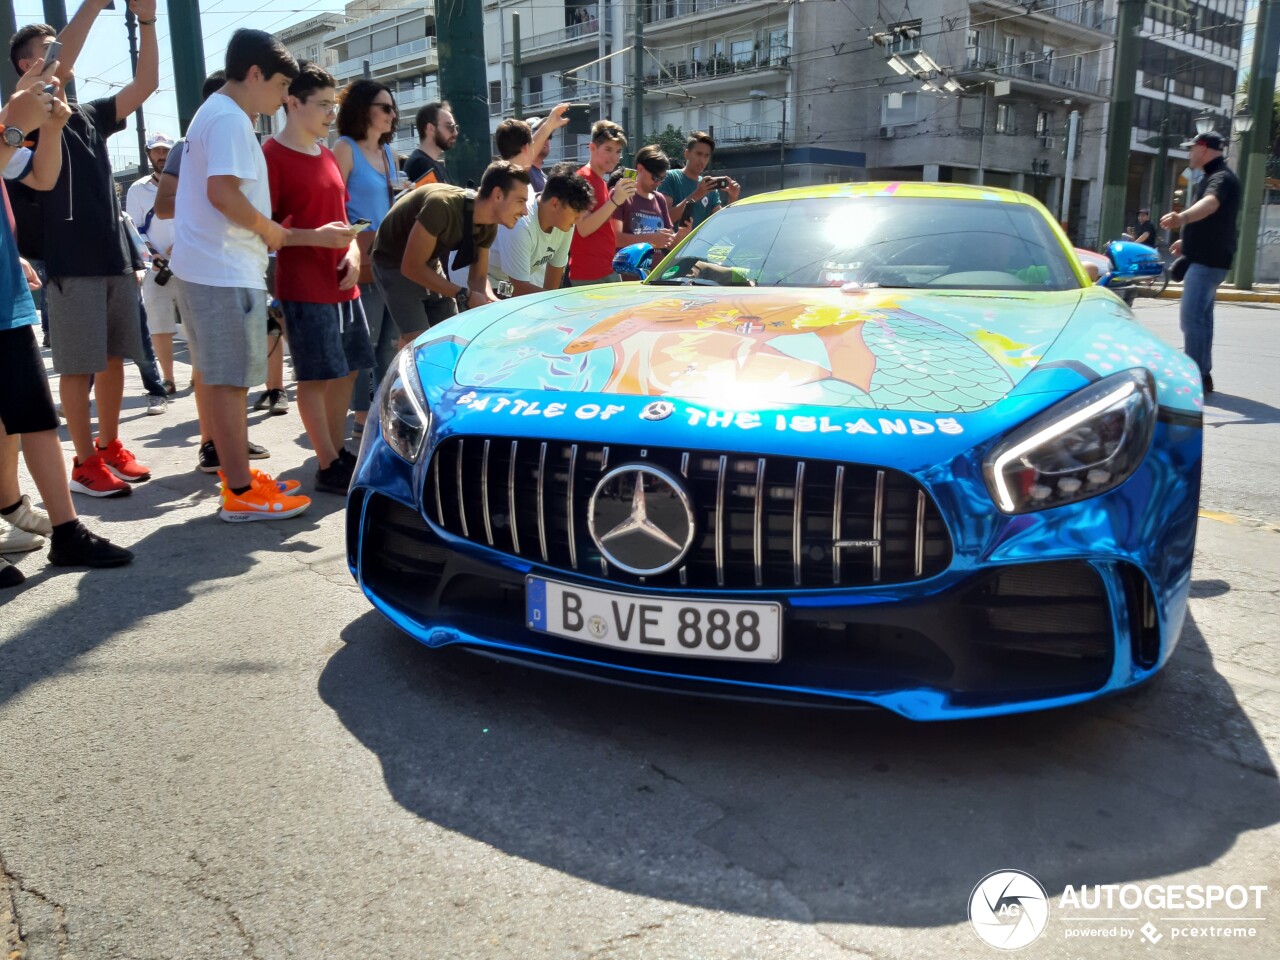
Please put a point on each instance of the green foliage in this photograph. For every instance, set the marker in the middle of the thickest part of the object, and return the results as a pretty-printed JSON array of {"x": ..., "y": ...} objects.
[{"x": 671, "y": 140}]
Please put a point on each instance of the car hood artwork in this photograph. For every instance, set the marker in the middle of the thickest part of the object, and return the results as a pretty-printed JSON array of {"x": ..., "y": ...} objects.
[{"x": 939, "y": 352}]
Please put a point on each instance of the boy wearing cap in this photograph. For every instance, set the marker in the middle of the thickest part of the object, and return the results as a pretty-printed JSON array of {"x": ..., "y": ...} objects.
[
  {"x": 157, "y": 298},
  {"x": 1208, "y": 241},
  {"x": 1144, "y": 231}
]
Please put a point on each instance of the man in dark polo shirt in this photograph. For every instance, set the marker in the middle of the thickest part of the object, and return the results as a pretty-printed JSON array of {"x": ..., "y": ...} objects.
[
  {"x": 1209, "y": 241},
  {"x": 425, "y": 234},
  {"x": 92, "y": 290}
]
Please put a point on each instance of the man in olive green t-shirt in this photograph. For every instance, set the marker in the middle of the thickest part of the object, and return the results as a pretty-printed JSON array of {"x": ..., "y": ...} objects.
[{"x": 425, "y": 226}]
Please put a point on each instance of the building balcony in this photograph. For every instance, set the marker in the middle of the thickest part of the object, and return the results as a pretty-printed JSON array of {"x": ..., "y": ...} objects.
[
  {"x": 560, "y": 41},
  {"x": 1064, "y": 70},
  {"x": 538, "y": 105},
  {"x": 678, "y": 67},
  {"x": 417, "y": 54},
  {"x": 1089, "y": 14},
  {"x": 661, "y": 12},
  {"x": 748, "y": 134}
]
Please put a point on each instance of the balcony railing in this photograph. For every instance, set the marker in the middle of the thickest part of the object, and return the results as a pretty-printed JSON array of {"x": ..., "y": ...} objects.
[
  {"x": 400, "y": 52},
  {"x": 743, "y": 133},
  {"x": 554, "y": 38},
  {"x": 679, "y": 67},
  {"x": 1060, "y": 71},
  {"x": 1086, "y": 13},
  {"x": 660, "y": 10}
]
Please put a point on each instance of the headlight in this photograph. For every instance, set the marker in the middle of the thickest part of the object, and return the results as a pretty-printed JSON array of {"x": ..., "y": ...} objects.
[
  {"x": 402, "y": 409},
  {"x": 1086, "y": 445}
]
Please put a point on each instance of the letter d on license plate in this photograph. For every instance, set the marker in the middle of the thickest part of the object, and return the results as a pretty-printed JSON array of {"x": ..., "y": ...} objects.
[{"x": 675, "y": 626}]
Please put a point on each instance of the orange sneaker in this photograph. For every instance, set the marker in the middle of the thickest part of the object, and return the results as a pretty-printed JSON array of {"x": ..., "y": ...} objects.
[
  {"x": 284, "y": 486},
  {"x": 123, "y": 463},
  {"x": 262, "y": 501}
]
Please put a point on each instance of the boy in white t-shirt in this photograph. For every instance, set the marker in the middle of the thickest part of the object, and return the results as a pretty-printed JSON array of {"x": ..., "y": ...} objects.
[
  {"x": 223, "y": 232},
  {"x": 532, "y": 255}
]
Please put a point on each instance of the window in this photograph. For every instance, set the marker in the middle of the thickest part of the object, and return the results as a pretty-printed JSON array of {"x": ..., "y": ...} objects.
[
  {"x": 1004, "y": 118},
  {"x": 358, "y": 47},
  {"x": 904, "y": 37},
  {"x": 1044, "y": 127},
  {"x": 778, "y": 49},
  {"x": 495, "y": 92},
  {"x": 898, "y": 108},
  {"x": 384, "y": 39},
  {"x": 972, "y": 47},
  {"x": 741, "y": 51},
  {"x": 1010, "y": 50}
]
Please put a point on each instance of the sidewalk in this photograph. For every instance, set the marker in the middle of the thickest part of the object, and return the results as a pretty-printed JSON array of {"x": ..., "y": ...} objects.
[{"x": 1261, "y": 293}]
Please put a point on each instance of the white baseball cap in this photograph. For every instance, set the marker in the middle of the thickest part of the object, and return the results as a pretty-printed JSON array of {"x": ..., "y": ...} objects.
[{"x": 158, "y": 140}]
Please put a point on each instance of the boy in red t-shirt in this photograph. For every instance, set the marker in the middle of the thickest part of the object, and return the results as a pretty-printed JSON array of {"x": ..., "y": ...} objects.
[
  {"x": 316, "y": 272},
  {"x": 594, "y": 242}
]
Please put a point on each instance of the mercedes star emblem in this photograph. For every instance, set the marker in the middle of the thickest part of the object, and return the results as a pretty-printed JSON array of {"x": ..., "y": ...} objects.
[
  {"x": 658, "y": 410},
  {"x": 641, "y": 519}
]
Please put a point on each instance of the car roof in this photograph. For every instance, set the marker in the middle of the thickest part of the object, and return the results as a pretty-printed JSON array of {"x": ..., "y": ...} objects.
[{"x": 892, "y": 188}]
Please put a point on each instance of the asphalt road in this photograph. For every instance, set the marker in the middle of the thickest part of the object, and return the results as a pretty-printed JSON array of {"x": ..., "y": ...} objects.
[{"x": 222, "y": 752}]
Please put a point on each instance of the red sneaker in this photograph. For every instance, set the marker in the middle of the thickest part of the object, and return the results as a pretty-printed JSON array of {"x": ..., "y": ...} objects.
[
  {"x": 94, "y": 479},
  {"x": 123, "y": 463}
]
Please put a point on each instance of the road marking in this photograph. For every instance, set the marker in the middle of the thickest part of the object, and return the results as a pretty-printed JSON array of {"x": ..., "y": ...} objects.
[{"x": 1238, "y": 521}]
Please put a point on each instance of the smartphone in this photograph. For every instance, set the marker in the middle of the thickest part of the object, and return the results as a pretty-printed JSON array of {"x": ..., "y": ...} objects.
[
  {"x": 361, "y": 223},
  {"x": 628, "y": 173},
  {"x": 51, "y": 53},
  {"x": 718, "y": 183},
  {"x": 579, "y": 117}
]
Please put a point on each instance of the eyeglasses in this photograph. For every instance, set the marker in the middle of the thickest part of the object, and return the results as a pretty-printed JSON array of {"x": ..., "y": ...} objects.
[
  {"x": 328, "y": 106},
  {"x": 451, "y": 127},
  {"x": 386, "y": 108}
]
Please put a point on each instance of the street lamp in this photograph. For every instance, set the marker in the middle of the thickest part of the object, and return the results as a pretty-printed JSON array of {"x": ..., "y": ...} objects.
[
  {"x": 782, "y": 137},
  {"x": 1242, "y": 122},
  {"x": 1204, "y": 123}
]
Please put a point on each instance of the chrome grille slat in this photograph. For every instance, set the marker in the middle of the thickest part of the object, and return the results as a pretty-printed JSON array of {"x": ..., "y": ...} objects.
[
  {"x": 720, "y": 520},
  {"x": 797, "y": 531},
  {"x": 837, "y": 525},
  {"x": 573, "y": 469},
  {"x": 484, "y": 493},
  {"x": 511, "y": 497},
  {"x": 757, "y": 531},
  {"x": 542, "y": 503},
  {"x": 761, "y": 522}
]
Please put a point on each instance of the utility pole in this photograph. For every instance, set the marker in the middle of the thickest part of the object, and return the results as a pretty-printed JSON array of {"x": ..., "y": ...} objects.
[
  {"x": 517, "y": 76},
  {"x": 1073, "y": 131},
  {"x": 464, "y": 83},
  {"x": 637, "y": 80},
  {"x": 1254, "y": 143},
  {"x": 1115, "y": 179},
  {"x": 187, "y": 44},
  {"x": 140, "y": 124}
]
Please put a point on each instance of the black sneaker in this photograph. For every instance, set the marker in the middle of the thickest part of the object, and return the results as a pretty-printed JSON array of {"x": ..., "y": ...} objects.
[
  {"x": 80, "y": 548},
  {"x": 10, "y": 576},
  {"x": 335, "y": 478},
  {"x": 208, "y": 458},
  {"x": 348, "y": 456},
  {"x": 264, "y": 400},
  {"x": 257, "y": 452},
  {"x": 279, "y": 405},
  {"x": 1208, "y": 383}
]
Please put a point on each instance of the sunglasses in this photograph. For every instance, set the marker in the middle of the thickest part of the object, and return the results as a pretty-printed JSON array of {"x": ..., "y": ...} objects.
[{"x": 386, "y": 108}]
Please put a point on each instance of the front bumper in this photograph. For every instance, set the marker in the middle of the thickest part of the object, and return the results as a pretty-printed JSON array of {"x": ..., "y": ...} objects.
[{"x": 1033, "y": 613}]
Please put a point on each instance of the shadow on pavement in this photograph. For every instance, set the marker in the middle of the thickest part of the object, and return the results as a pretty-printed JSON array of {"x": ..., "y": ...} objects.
[
  {"x": 1252, "y": 411},
  {"x": 804, "y": 814}
]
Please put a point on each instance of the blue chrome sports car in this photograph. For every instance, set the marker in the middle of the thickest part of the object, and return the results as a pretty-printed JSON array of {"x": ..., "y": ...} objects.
[{"x": 870, "y": 443}]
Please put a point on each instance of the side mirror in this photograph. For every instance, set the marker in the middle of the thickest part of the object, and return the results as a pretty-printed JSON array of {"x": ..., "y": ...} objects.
[{"x": 636, "y": 260}]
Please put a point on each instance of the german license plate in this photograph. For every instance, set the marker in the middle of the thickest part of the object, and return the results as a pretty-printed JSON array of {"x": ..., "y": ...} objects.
[{"x": 675, "y": 626}]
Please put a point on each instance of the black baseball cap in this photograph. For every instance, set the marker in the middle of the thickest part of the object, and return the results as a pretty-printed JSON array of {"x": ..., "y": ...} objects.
[{"x": 1213, "y": 140}]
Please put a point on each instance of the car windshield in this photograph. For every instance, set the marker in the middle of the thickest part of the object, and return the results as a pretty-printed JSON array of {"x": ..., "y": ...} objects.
[{"x": 924, "y": 242}]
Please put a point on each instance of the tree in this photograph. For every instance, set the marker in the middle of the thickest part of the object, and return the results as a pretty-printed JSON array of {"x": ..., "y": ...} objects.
[{"x": 671, "y": 140}]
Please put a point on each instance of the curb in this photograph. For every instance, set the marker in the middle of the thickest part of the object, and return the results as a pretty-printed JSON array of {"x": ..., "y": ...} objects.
[{"x": 1228, "y": 294}]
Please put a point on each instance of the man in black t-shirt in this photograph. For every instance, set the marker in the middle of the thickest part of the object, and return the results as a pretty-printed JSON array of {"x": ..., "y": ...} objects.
[
  {"x": 1208, "y": 241},
  {"x": 92, "y": 290},
  {"x": 437, "y": 133},
  {"x": 1144, "y": 231}
]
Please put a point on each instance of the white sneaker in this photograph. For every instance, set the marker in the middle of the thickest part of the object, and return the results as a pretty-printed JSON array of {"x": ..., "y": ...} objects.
[
  {"x": 156, "y": 405},
  {"x": 13, "y": 540},
  {"x": 29, "y": 518}
]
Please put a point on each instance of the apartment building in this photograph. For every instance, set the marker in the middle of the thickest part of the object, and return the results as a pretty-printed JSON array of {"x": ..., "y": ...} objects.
[{"x": 306, "y": 41}]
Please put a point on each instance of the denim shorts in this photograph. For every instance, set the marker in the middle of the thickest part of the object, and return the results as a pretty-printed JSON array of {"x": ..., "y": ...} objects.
[{"x": 327, "y": 341}]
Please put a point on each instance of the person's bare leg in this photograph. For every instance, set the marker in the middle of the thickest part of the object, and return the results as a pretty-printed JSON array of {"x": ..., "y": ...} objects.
[
  {"x": 162, "y": 343},
  {"x": 336, "y": 401},
  {"x": 44, "y": 456},
  {"x": 10, "y": 491},
  {"x": 313, "y": 396},
  {"x": 108, "y": 390},
  {"x": 73, "y": 390},
  {"x": 229, "y": 430}
]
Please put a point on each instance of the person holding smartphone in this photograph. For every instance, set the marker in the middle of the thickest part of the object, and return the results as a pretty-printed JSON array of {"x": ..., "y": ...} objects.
[
  {"x": 317, "y": 270},
  {"x": 646, "y": 217},
  {"x": 693, "y": 196},
  {"x": 594, "y": 243}
]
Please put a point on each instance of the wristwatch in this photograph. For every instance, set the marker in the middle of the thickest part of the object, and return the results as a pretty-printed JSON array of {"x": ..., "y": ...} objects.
[{"x": 13, "y": 137}]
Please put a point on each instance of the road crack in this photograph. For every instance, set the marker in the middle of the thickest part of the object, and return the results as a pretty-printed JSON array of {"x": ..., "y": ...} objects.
[
  {"x": 15, "y": 940},
  {"x": 196, "y": 885}
]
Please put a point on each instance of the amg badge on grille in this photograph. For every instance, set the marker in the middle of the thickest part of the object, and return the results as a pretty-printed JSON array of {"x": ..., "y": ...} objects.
[{"x": 641, "y": 519}]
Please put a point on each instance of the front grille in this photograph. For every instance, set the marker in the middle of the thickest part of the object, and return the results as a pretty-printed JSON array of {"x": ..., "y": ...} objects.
[{"x": 760, "y": 522}]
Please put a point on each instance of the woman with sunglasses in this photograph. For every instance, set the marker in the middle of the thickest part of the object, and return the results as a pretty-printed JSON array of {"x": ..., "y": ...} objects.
[{"x": 366, "y": 127}]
